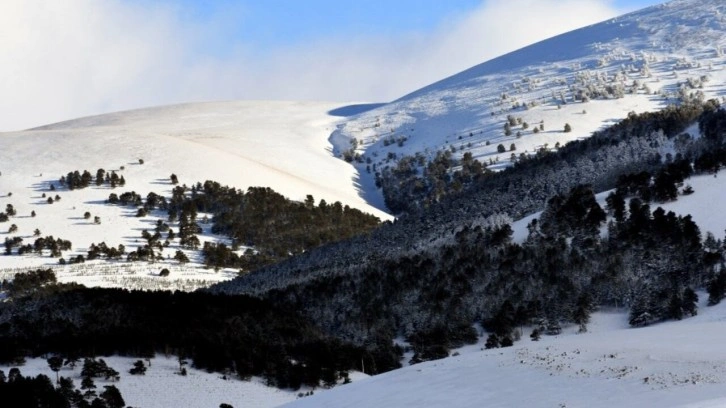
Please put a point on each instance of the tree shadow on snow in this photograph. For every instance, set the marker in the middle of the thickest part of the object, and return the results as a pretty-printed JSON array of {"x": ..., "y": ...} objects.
[{"x": 163, "y": 182}]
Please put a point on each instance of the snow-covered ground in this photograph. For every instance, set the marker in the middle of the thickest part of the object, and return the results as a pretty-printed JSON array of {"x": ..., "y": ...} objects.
[
  {"x": 162, "y": 387},
  {"x": 702, "y": 205},
  {"x": 639, "y": 61},
  {"x": 292, "y": 146},
  {"x": 286, "y": 146},
  {"x": 282, "y": 145},
  {"x": 673, "y": 364}
]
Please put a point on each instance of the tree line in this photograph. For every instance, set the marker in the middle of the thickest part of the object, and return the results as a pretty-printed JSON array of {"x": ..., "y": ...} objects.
[
  {"x": 236, "y": 335},
  {"x": 435, "y": 272}
]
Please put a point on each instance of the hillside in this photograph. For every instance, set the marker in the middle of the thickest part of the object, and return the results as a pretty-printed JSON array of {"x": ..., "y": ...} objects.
[
  {"x": 282, "y": 145},
  {"x": 588, "y": 78},
  {"x": 678, "y": 364},
  {"x": 566, "y": 193},
  {"x": 163, "y": 387},
  {"x": 432, "y": 276}
]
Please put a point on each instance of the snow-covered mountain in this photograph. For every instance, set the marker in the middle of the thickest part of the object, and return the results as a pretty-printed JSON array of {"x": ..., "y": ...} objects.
[
  {"x": 282, "y": 145},
  {"x": 588, "y": 78}
]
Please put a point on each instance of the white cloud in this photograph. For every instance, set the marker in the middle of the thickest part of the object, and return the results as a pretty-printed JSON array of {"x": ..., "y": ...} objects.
[{"x": 78, "y": 57}]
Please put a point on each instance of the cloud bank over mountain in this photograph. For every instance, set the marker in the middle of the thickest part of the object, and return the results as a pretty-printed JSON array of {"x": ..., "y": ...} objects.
[{"x": 84, "y": 57}]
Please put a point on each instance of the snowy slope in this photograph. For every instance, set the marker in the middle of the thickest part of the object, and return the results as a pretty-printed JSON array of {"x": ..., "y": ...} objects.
[
  {"x": 636, "y": 63},
  {"x": 648, "y": 56},
  {"x": 161, "y": 387},
  {"x": 702, "y": 205},
  {"x": 675, "y": 364},
  {"x": 282, "y": 145},
  {"x": 285, "y": 145}
]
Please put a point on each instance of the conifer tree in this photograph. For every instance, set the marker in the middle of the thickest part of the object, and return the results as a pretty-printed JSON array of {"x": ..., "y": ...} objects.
[{"x": 55, "y": 363}]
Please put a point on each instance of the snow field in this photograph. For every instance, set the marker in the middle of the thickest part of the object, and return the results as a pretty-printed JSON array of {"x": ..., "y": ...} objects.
[{"x": 282, "y": 145}]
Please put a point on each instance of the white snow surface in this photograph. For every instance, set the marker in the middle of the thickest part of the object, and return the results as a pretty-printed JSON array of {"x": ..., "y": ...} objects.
[
  {"x": 673, "y": 364},
  {"x": 162, "y": 387},
  {"x": 702, "y": 206},
  {"x": 649, "y": 54},
  {"x": 277, "y": 144},
  {"x": 286, "y": 146}
]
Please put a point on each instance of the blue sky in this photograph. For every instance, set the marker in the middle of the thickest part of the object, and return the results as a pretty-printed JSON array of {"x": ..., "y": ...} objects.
[
  {"x": 276, "y": 22},
  {"x": 71, "y": 58},
  {"x": 272, "y": 23}
]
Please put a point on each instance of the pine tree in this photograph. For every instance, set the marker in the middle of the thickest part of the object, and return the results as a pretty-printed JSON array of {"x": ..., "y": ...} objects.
[
  {"x": 716, "y": 288},
  {"x": 507, "y": 129},
  {"x": 55, "y": 363},
  {"x": 616, "y": 205},
  {"x": 181, "y": 256},
  {"x": 690, "y": 302},
  {"x": 675, "y": 307},
  {"x": 640, "y": 314},
  {"x": 113, "y": 397},
  {"x": 66, "y": 388},
  {"x": 492, "y": 341},
  {"x": 506, "y": 341},
  {"x": 88, "y": 385},
  {"x": 583, "y": 309},
  {"x": 100, "y": 176},
  {"x": 535, "y": 335},
  {"x": 138, "y": 369},
  {"x": 98, "y": 403}
]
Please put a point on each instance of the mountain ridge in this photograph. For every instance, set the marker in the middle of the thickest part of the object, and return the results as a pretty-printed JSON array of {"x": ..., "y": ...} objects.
[
  {"x": 449, "y": 271},
  {"x": 639, "y": 62}
]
